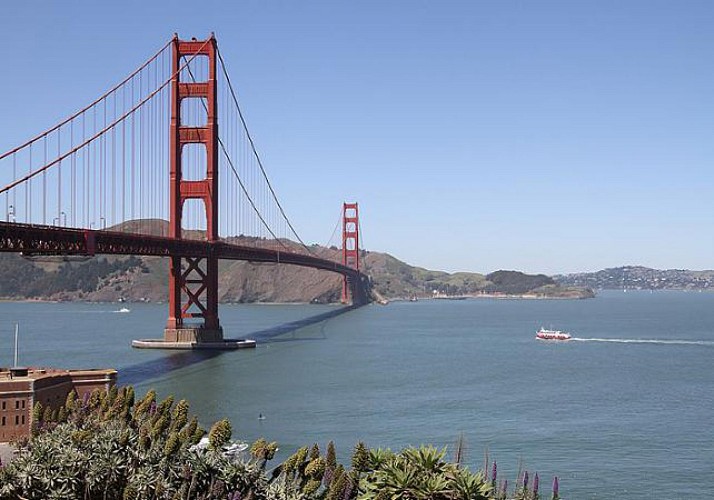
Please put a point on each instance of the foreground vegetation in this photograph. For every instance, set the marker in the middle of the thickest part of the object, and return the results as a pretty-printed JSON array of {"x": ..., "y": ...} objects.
[{"x": 107, "y": 446}]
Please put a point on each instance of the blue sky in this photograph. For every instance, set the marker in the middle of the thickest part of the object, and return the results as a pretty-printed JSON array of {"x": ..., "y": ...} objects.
[{"x": 544, "y": 136}]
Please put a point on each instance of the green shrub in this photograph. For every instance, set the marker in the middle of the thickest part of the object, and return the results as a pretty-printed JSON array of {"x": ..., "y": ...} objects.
[{"x": 105, "y": 447}]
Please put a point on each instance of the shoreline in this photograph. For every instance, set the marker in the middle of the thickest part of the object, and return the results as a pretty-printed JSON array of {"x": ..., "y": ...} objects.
[
  {"x": 54, "y": 301},
  {"x": 489, "y": 296},
  {"x": 391, "y": 299}
]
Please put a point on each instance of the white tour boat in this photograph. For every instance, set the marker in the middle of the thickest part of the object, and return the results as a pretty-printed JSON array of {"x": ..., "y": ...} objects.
[{"x": 545, "y": 334}]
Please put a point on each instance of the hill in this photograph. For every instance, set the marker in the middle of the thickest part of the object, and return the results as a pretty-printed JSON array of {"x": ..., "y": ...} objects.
[
  {"x": 110, "y": 279},
  {"x": 640, "y": 278}
]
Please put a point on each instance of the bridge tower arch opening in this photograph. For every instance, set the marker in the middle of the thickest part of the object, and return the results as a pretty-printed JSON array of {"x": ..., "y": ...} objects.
[{"x": 193, "y": 281}]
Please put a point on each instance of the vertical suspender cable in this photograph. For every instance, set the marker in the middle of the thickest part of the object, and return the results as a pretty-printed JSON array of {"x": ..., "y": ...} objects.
[
  {"x": 28, "y": 194},
  {"x": 149, "y": 150},
  {"x": 14, "y": 191},
  {"x": 141, "y": 145},
  {"x": 103, "y": 174},
  {"x": 73, "y": 177},
  {"x": 44, "y": 184},
  {"x": 132, "y": 183},
  {"x": 155, "y": 148},
  {"x": 85, "y": 178},
  {"x": 93, "y": 178},
  {"x": 7, "y": 204},
  {"x": 255, "y": 152},
  {"x": 123, "y": 157},
  {"x": 114, "y": 164},
  {"x": 59, "y": 182}
]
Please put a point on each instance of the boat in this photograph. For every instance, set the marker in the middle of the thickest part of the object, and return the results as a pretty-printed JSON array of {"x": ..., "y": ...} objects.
[
  {"x": 443, "y": 296},
  {"x": 545, "y": 334},
  {"x": 124, "y": 310}
]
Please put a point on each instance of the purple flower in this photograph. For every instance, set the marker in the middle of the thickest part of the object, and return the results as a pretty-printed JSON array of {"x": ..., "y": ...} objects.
[
  {"x": 327, "y": 478},
  {"x": 535, "y": 485},
  {"x": 347, "y": 491},
  {"x": 556, "y": 488},
  {"x": 494, "y": 472},
  {"x": 85, "y": 400},
  {"x": 152, "y": 408},
  {"x": 525, "y": 480},
  {"x": 505, "y": 488}
]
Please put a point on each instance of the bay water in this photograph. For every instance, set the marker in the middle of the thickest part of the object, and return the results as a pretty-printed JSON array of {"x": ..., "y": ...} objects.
[{"x": 624, "y": 410}]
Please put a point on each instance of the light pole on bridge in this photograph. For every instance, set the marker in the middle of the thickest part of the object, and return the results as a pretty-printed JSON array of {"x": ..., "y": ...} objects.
[{"x": 62, "y": 217}]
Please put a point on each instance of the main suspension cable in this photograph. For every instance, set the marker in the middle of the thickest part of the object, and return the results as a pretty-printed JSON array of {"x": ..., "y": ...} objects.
[
  {"x": 101, "y": 132},
  {"x": 235, "y": 173},
  {"x": 95, "y": 102},
  {"x": 255, "y": 152},
  {"x": 337, "y": 225}
]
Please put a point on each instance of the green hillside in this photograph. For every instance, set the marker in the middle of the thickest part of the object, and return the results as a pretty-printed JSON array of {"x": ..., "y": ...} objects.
[{"x": 144, "y": 278}]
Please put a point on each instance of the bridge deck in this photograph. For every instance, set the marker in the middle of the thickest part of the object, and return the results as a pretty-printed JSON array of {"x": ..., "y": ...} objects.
[{"x": 52, "y": 240}]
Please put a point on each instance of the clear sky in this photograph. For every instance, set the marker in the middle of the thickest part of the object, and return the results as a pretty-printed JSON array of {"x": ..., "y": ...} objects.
[{"x": 544, "y": 136}]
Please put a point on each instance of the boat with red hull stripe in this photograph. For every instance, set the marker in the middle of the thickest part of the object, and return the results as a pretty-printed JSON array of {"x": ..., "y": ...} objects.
[{"x": 545, "y": 334}]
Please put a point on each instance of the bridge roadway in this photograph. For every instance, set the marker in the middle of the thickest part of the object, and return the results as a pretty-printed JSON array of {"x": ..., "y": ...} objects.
[{"x": 53, "y": 240}]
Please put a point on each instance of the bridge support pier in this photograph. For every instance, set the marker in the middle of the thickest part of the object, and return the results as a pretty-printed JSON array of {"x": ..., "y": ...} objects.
[
  {"x": 222, "y": 345},
  {"x": 193, "y": 294},
  {"x": 192, "y": 334}
]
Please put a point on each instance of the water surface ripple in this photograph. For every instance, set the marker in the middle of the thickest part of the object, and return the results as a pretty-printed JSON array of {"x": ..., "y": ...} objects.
[{"x": 624, "y": 410}]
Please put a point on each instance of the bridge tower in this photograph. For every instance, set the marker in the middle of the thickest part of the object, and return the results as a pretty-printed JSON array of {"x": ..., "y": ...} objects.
[
  {"x": 350, "y": 243},
  {"x": 193, "y": 281}
]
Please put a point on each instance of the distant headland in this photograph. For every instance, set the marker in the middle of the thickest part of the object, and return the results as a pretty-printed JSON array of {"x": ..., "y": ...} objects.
[{"x": 640, "y": 278}]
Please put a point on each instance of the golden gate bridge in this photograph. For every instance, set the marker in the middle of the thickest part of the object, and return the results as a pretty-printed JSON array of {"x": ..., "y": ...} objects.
[{"x": 150, "y": 150}]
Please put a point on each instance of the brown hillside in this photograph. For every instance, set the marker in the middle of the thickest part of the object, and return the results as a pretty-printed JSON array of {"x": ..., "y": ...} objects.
[{"x": 145, "y": 278}]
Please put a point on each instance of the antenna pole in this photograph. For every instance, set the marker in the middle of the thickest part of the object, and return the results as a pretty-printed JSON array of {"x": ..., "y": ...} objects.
[{"x": 17, "y": 329}]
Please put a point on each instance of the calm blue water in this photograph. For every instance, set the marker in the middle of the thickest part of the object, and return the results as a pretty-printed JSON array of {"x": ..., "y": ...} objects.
[{"x": 611, "y": 418}]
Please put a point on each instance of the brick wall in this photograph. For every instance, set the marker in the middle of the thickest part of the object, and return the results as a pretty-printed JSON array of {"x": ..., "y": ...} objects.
[{"x": 49, "y": 387}]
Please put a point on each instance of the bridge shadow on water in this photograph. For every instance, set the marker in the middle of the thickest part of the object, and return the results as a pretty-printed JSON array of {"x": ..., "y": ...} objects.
[
  {"x": 270, "y": 334},
  {"x": 140, "y": 372}
]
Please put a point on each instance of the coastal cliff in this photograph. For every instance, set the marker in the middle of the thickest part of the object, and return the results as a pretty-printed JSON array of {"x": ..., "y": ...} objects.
[{"x": 135, "y": 279}]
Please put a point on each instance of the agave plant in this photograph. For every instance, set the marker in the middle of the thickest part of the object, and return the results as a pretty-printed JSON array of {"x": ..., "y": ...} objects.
[
  {"x": 105, "y": 446},
  {"x": 421, "y": 473}
]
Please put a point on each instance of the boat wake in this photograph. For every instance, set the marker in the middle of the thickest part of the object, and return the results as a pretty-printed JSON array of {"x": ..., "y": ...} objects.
[{"x": 647, "y": 341}]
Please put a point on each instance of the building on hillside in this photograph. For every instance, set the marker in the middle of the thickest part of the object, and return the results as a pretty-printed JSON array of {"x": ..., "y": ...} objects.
[{"x": 21, "y": 388}]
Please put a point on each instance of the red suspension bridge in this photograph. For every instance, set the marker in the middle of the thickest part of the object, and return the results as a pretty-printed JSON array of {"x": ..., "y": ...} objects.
[{"x": 150, "y": 150}]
